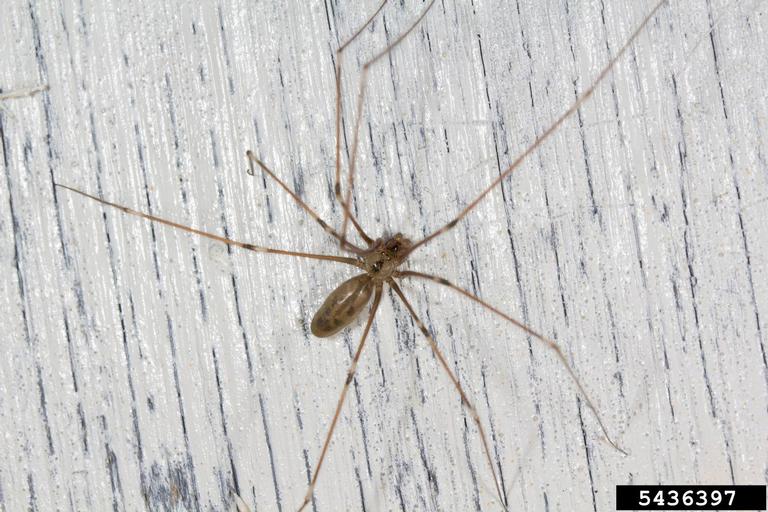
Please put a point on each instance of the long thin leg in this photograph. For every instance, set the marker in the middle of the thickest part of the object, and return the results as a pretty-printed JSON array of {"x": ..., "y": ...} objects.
[
  {"x": 312, "y": 213},
  {"x": 549, "y": 343},
  {"x": 350, "y": 376},
  {"x": 544, "y": 136},
  {"x": 240, "y": 504},
  {"x": 359, "y": 114},
  {"x": 465, "y": 400},
  {"x": 22, "y": 93},
  {"x": 212, "y": 236},
  {"x": 339, "y": 56}
]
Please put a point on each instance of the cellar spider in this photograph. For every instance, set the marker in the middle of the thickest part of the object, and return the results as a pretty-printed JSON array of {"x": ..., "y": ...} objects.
[{"x": 380, "y": 259}]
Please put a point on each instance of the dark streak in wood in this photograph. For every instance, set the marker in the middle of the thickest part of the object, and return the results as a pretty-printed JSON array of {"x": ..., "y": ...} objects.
[
  {"x": 273, "y": 467},
  {"x": 360, "y": 411},
  {"x": 682, "y": 152},
  {"x": 587, "y": 455},
  {"x": 494, "y": 438},
  {"x": 225, "y": 47},
  {"x": 184, "y": 476},
  {"x": 230, "y": 453},
  {"x": 182, "y": 187}
]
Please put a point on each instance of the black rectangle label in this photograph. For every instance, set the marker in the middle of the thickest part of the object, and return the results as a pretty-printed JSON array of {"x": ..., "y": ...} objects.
[{"x": 690, "y": 497}]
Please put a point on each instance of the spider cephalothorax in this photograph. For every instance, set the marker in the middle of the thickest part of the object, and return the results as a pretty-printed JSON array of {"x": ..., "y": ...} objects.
[{"x": 385, "y": 255}]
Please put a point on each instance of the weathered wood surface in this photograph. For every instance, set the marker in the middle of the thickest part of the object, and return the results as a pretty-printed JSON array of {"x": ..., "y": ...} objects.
[{"x": 145, "y": 368}]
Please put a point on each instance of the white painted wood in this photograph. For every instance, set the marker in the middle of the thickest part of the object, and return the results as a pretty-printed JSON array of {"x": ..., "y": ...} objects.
[{"x": 149, "y": 369}]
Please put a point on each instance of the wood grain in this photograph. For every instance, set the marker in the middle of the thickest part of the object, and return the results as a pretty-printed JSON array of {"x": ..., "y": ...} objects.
[{"x": 147, "y": 369}]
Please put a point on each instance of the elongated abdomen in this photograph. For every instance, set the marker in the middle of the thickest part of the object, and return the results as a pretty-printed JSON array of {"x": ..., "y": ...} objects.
[{"x": 342, "y": 306}]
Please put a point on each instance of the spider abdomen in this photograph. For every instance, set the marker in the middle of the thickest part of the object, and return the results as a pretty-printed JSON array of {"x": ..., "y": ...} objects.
[{"x": 342, "y": 306}]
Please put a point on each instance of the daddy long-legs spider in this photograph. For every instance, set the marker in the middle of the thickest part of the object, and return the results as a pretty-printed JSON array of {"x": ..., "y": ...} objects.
[{"x": 167, "y": 370}]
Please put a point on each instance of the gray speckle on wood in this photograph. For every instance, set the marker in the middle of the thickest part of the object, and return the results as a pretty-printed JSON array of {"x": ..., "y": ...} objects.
[{"x": 148, "y": 369}]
